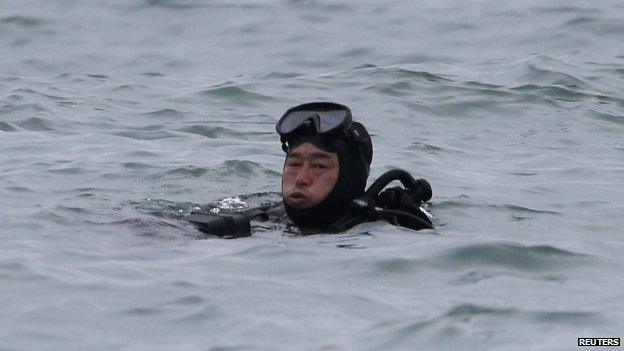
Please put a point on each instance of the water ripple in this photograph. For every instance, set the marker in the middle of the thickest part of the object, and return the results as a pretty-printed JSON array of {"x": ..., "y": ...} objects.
[
  {"x": 454, "y": 327},
  {"x": 6, "y": 127},
  {"x": 513, "y": 209},
  {"x": 555, "y": 92},
  {"x": 147, "y": 135},
  {"x": 23, "y": 21},
  {"x": 234, "y": 95},
  {"x": 403, "y": 72},
  {"x": 512, "y": 256},
  {"x": 23, "y": 109},
  {"x": 599, "y": 26},
  {"x": 201, "y": 316},
  {"x": 188, "y": 171},
  {"x": 607, "y": 117},
  {"x": 36, "y": 124},
  {"x": 113, "y": 127},
  {"x": 213, "y": 132},
  {"x": 166, "y": 113},
  {"x": 173, "y": 4}
]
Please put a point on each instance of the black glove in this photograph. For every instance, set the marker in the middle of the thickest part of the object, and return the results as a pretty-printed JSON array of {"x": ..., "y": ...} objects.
[{"x": 400, "y": 199}]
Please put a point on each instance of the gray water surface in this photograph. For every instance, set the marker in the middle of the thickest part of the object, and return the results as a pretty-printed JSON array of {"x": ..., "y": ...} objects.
[{"x": 118, "y": 118}]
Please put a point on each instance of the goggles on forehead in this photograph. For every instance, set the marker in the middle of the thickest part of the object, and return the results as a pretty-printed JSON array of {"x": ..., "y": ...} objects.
[
  {"x": 318, "y": 117},
  {"x": 324, "y": 119}
]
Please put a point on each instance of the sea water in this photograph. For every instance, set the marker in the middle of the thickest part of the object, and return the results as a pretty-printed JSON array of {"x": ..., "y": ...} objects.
[{"x": 118, "y": 118}]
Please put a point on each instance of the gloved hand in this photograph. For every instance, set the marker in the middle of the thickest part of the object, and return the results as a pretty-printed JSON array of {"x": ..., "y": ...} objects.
[{"x": 400, "y": 199}]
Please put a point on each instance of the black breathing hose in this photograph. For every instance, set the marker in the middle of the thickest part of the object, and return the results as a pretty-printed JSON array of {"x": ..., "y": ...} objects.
[{"x": 419, "y": 188}]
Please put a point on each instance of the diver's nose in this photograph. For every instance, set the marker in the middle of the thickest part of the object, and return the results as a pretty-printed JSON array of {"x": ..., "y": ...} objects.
[{"x": 303, "y": 176}]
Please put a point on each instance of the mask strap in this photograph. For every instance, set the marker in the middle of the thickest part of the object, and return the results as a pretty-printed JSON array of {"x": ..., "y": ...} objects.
[{"x": 357, "y": 137}]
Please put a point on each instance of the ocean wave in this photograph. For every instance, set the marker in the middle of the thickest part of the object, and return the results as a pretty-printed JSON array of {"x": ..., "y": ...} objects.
[
  {"x": 214, "y": 132},
  {"x": 168, "y": 113},
  {"x": 234, "y": 95},
  {"x": 6, "y": 127},
  {"x": 173, "y": 4},
  {"x": 458, "y": 324},
  {"x": 23, "y": 21},
  {"x": 512, "y": 256},
  {"x": 146, "y": 134},
  {"x": 36, "y": 124}
]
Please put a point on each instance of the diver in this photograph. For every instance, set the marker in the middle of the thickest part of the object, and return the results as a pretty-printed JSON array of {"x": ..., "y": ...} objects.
[{"x": 327, "y": 164}]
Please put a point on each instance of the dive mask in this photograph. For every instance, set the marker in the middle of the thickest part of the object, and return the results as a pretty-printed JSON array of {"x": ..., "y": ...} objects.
[{"x": 321, "y": 117}]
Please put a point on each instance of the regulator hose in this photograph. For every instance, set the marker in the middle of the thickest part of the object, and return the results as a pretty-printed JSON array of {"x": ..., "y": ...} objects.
[{"x": 420, "y": 188}]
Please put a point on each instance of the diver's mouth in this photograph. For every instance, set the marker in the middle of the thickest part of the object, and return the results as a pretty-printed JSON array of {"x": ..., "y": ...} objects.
[
  {"x": 298, "y": 199},
  {"x": 298, "y": 195}
]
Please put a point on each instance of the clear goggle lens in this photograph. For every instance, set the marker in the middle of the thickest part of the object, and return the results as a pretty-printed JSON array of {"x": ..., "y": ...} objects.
[{"x": 323, "y": 121}]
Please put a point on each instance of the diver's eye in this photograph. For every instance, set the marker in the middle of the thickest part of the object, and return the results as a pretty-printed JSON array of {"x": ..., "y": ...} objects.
[{"x": 320, "y": 166}]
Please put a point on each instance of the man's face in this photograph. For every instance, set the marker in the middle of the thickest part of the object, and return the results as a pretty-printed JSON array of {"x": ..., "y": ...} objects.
[{"x": 309, "y": 176}]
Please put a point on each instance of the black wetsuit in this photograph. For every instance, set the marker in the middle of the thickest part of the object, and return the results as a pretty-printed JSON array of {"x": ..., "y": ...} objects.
[{"x": 395, "y": 205}]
